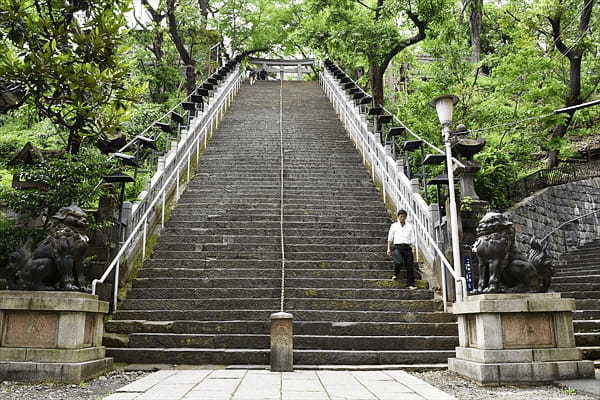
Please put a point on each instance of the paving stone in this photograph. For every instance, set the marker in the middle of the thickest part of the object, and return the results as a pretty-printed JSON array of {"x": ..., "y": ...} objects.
[{"x": 162, "y": 392}]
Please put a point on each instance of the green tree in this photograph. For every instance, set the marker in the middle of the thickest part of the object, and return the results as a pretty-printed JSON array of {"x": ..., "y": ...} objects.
[
  {"x": 369, "y": 33},
  {"x": 67, "y": 58}
]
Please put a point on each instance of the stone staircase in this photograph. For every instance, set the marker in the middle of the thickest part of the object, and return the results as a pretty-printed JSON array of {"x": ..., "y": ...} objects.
[
  {"x": 578, "y": 277},
  {"x": 214, "y": 278}
]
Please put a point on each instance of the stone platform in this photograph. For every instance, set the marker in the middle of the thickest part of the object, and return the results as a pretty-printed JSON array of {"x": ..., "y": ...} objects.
[
  {"x": 517, "y": 338},
  {"x": 51, "y": 336}
]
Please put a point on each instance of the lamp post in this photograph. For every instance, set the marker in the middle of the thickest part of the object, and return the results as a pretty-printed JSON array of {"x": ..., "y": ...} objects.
[{"x": 444, "y": 105}]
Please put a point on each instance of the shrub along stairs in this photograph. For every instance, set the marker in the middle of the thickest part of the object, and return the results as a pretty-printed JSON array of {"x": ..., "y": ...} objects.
[
  {"x": 214, "y": 278},
  {"x": 578, "y": 277}
]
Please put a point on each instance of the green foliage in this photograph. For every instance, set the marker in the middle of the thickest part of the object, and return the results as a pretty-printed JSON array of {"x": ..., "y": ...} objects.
[
  {"x": 69, "y": 61},
  {"x": 13, "y": 236},
  {"x": 498, "y": 171},
  {"x": 69, "y": 179}
]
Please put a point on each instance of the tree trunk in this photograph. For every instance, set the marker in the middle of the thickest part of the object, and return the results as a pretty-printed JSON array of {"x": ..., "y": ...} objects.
[
  {"x": 376, "y": 78},
  {"x": 573, "y": 99},
  {"x": 73, "y": 143},
  {"x": 187, "y": 59},
  {"x": 475, "y": 28}
]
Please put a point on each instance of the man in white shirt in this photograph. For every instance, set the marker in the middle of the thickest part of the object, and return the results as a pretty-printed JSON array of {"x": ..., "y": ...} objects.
[{"x": 400, "y": 238}]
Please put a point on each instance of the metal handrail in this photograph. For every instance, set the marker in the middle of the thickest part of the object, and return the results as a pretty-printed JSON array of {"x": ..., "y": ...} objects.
[
  {"x": 395, "y": 118},
  {"x": 567, "y": 223},
  {"x": 356, "y": 128},
  {"x": 200, "y": 129}
]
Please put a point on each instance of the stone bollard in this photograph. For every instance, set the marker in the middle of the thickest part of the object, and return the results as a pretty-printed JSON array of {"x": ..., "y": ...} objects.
[{"x": 282, "y": 345}]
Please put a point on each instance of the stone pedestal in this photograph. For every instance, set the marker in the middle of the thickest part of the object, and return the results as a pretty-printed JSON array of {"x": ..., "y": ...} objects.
[
  {"x": 282, "y": 343},
  {"x": 51, "y": 336},
  {"x": 517, "y": 339}
]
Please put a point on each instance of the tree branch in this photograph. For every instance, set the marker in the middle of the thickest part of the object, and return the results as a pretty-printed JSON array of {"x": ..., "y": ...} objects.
[
  {"x": 177, "y": 40},
  {"x": 420, "y": 35},
  {"x": 364, "y": 5},
  {"x": 560, "y": 45}
]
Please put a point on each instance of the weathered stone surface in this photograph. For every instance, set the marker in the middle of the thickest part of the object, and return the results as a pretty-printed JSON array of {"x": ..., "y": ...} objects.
[
  {"x": 282, "y": 342},
  {"x": 30, "y": 329},
  {"x": 75, "y": 372}
]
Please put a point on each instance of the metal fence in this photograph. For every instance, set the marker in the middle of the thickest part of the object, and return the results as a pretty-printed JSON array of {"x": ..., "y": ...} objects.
[
  {"x": 395, "y": 185},
  {"x": 167, "y": 180},
  {"x": 544, "y": 178}
]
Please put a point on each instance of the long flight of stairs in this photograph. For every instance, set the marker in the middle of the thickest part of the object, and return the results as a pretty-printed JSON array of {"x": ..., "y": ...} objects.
[
  {"x": 578, "y": 277},
  {"x": 214, "y": 278}
]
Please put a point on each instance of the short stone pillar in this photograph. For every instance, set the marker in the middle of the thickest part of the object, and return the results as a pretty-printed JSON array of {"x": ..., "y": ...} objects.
[
  {"x": 282, "y": 343},
  {"x": 517, "y": 339},
  {"x": 51, "y": 336}
]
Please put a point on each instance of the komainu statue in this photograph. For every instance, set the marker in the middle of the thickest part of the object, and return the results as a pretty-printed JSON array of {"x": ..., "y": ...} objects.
[
  {"x": 502, "y": 269},
  {"x": 56, "y": 263}
]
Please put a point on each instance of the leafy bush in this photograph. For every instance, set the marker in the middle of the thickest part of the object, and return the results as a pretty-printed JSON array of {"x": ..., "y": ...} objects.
[
  {"x": 498, "y": 171},
  {"x": 72, "y": 178},
  {"x": 12, "y": 236}
]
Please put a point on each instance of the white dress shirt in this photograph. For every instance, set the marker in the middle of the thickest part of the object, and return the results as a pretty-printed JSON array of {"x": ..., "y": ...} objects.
[{"x": 401, "y": 234}]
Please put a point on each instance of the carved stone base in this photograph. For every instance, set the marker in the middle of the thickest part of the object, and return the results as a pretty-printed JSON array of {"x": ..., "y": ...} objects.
[
  {"x": 51, "y": 336},
  {"x": 517, "y": 338}
]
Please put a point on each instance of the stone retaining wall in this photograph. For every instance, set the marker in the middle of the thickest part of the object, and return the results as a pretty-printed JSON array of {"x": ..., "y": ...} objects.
[{"x": 545, "y": 210}]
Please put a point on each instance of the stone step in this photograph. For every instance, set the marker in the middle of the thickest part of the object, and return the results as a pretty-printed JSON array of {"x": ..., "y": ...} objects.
[
  {"x": 581, "y": 295},
  {"x": 266, "y": 283},
  {"x": 261, "y": 356},
  {"x": 576, "y": 279},
  {"x": 273, "y": 211},
  {"x": 240, "y": 206},
  {"x": 289, "y": 248},
  {"x": 590, "y": 352},
  {"x": 262, "y": 341},
  {"x": 304, "y": 202},
  {"x": 287, "y": 218},
  {"x": 593, "y": 254},
  {"x": 582, "y": 326},
  {"x": 246, "y": 314},
  {"x": 267, "y": 264},
  {"x": 587, "y": 339},
  {"x": 298, "y": 232},
  {"x": 199, "y": 292},
  {"x": 265, "y": 273},
  {"x": 259, "y": 255},
  {"x": 214, "y": 224},
  {"x": 238, "y": 239},
  {"x": 586, "y": 314},
  {"x": 571, "y": 287},
  {"x": 576, "y": 271},
  {"x": 290, "y": 304},
  {"x": 300, "y": 327},
  {"x": 582, "y": 264}
]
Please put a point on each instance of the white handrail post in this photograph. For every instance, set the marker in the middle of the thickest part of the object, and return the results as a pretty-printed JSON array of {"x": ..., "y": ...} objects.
[
  {"x": 144, "y": 239},
  {"x": 116, "y": 285},
  {"x": 162, "y": 219},
  {"x": 177, "y": 189},
  {"x": 188, "y": 166}
]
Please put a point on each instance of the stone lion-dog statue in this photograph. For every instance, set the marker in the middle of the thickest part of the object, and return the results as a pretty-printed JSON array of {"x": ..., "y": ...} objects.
[
  {"x": 503, "y": 269},
  {"x": 56, "y": 263}
]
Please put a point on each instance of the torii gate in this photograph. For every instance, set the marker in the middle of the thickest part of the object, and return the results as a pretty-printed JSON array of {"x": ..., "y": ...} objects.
[{"x": 299, "y": 67}]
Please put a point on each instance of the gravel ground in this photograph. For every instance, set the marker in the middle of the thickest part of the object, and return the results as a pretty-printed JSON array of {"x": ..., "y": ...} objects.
[
  {"x": 94, "y": 389},
  {"x": 464, "y": 389}
]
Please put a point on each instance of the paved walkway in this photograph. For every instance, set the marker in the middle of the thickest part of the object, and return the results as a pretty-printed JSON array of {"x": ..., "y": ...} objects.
[{"x": 266, "y": 385}]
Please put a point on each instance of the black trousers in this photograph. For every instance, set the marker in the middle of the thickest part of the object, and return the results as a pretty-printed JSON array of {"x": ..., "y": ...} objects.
[{"x": 402, "y": 256}]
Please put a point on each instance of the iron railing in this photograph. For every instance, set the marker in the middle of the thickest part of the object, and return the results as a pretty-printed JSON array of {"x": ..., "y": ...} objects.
[
  {"x": 161, "y": 185},
  {"x": 544, "y": 178},
  {"x": 394, "y": 183}
]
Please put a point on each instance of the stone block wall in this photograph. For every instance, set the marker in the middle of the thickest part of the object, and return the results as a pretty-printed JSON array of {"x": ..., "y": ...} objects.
[{"x": 544, "y": 211}]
